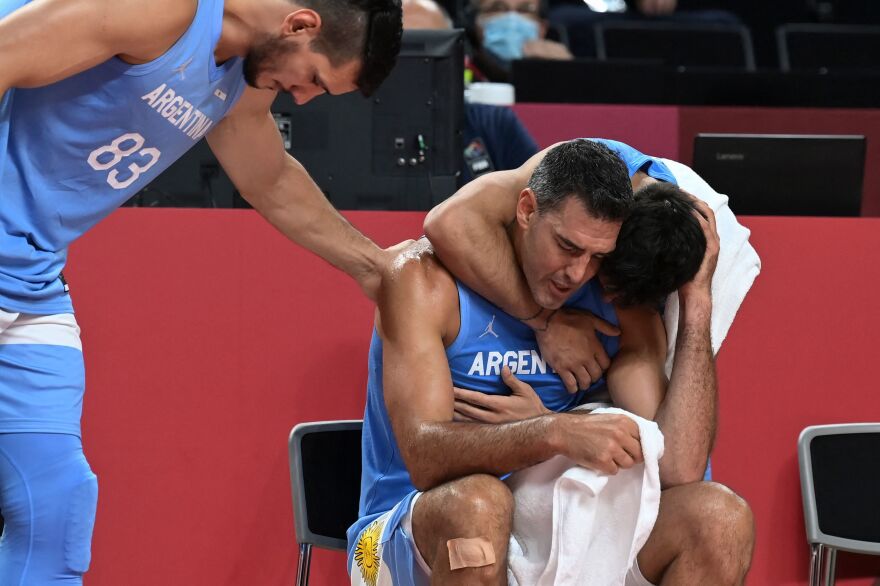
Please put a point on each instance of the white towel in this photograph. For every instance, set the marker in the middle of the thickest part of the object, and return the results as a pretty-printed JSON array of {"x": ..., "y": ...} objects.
[
  {"x": 574, "y": 526},
  {"x": 738, "y": 263}
]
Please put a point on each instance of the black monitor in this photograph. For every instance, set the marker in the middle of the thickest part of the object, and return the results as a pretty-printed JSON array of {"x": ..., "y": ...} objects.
[
  {"x": 784, "y": 174},
  {"x": 400, "y": 149}
]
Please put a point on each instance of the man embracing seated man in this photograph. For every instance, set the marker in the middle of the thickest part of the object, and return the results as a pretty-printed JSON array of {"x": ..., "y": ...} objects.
[{"x": 433, "y": 509}]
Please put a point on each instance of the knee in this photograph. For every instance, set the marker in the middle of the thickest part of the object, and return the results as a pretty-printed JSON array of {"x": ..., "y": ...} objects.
[
  {"x": 726, "y": 516},
  {"x": 482, "y": 502},
  {"x": 723, "y": 527}
]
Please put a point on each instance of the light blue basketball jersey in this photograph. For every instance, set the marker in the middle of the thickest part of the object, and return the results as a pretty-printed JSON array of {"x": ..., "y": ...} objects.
[
  {"x": 637, "y": 161},
  {"x": 488, "y": 339},
  {"x": 73, "y": 151}
]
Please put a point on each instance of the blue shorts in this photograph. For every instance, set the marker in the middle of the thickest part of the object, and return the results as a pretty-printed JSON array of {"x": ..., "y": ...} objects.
[
  {"x": 42, "y": 377},
  {"x": 48, "y": 493},
  {"x": 385, "y": 552}
]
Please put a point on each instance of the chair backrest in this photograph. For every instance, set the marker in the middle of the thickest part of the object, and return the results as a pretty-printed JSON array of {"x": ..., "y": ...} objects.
[
  {"x": 828, "y": 47},
  {"x": 840, "y": 485},
  {"x": 325, "y": 480},
  {"x": 710, "y": 45}
]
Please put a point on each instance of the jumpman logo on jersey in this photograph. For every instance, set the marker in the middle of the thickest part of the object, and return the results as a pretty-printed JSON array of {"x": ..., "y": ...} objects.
[
  {"x": 490, "y": 329},
  {"x": 181, "y": 69}
]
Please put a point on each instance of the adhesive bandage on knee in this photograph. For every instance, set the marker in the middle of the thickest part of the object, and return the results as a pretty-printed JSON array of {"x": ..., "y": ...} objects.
[{"x": 474, "y": 552}]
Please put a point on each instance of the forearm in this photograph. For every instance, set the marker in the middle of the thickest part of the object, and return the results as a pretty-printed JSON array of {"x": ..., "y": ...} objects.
[
  {"x": 299, "y": 210},
  {"x": 496, "y": 276},
  {"x": 469, "y": 235},
  {"x": 441, "y": 451},
  {"x": 689, "y": 413}
]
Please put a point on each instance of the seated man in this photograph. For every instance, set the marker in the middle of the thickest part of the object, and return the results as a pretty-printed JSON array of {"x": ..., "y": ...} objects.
[{"x": 428, "y": 480}]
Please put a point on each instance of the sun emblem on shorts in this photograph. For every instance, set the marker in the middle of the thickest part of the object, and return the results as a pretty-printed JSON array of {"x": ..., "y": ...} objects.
[{"x": 366, "y": 553}]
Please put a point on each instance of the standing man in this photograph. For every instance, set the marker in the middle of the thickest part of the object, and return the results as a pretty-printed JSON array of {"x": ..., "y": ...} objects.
[{"x": 97, "y": 97}]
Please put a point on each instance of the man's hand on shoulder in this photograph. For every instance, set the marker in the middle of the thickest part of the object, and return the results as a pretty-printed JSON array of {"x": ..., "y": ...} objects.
[
  {"x": 569, "y": 344},
  {"x": 416, "y": 298},
  {"x": 387, "y": 261}
]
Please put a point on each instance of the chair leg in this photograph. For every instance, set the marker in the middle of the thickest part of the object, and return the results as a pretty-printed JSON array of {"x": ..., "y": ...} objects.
[
  {"x": 831, "y": 567},
  {"x": 816, "y": 563},
  {"x": 305, "y": 559}
]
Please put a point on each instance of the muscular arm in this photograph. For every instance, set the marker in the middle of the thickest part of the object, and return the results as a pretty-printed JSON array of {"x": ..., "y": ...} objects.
[
  {"x": 416, "y": 305},
  {"x": 689, "y": 414},
  {"x": 49, "y": 40},
  {"x": 685, "y": 407},
  {"x": 469, "y": 235},
  {"x": 248, "y": 145},
  {"x": 417, "y": 317}
]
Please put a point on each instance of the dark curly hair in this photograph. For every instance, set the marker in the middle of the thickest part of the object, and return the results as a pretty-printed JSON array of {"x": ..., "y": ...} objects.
[
  {"x": 588, "y": 170},
  {"x": 659, "y": 248},
  {"x": 369, "y": 30}
]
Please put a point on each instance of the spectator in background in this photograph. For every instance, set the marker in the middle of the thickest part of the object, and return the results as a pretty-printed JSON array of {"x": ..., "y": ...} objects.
[
  {"x": 494, "y": 138},
  {"x": 578, "y": 17},
  {"x": 502, "y": 31}
]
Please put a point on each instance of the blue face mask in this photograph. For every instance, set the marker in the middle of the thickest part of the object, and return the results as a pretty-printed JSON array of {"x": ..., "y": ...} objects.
[{"x": 506, "y": 34}]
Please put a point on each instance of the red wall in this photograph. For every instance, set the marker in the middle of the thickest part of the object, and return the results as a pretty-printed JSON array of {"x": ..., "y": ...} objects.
[
  {"x": 669, "y": 131},
  {"x": 207, "y": 337},
  {"x": 651, "y": 129}
]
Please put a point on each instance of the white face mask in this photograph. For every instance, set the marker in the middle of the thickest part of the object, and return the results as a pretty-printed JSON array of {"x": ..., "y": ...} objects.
[{"x": 505, "y": 35}]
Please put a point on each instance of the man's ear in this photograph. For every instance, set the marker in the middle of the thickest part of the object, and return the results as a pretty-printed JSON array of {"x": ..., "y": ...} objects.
[
  {"x": 526, "y": 206},
  {"x": 303, "y": 21}
]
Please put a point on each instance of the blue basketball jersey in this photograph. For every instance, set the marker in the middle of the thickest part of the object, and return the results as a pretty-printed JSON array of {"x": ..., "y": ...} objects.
[
  {"x": 73, "y": 151},
  {"x": 487, "y": 340},
  {"x": 637, "y": 161}
]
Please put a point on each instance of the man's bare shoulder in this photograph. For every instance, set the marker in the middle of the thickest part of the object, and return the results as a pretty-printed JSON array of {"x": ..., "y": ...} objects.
[
  {"x": 150, "y": 30},
  {"x": 417, "y": 268},
  {"x": 418, "y": 288},
  {"x": 84, "y": 33}
]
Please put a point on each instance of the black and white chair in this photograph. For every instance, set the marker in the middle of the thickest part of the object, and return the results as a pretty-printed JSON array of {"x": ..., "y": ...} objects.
[
  {"x": 840, "y": 484},
  {"x": 325, "y": 480}
]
